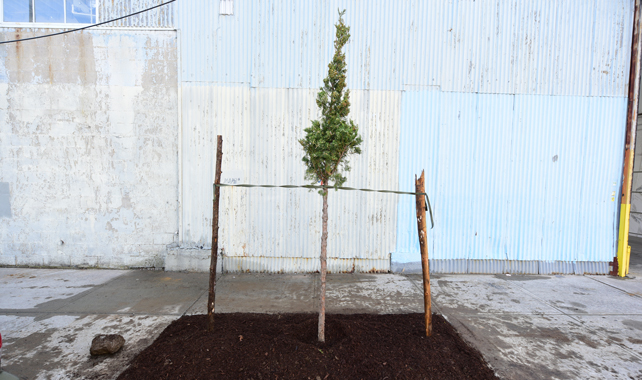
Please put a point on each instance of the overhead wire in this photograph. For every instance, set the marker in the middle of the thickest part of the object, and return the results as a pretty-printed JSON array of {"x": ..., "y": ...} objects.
[
  {"x": 428, "y": 208},
  {"x": 88, "y": 26}
]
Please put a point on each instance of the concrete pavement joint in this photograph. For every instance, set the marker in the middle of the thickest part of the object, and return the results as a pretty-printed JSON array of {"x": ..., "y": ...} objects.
[
  {"x": 476, "y": 340},
  {"x": 84, "y": 294},
  {"x": 583, "y": 324},
  {"x": 615, "y": 287},
  {"x": 195, "y": 301},
  {"x": 544, "y": 302},
  {"x": 433, "y": 302}
]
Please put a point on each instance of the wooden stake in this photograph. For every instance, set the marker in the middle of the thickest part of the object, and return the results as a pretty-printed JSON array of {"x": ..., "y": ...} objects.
[
  {"x": 214, "y": 259},
  {"x": 423, "y": 248}
]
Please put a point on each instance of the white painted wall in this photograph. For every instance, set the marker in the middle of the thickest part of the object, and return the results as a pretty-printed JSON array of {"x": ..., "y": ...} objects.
[
  {"x": 88, "y": 148},
  {"x": 279, "y": 230}
]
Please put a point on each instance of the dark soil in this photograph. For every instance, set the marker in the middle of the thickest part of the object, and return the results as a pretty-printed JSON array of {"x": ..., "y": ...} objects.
[{"x": 265, "y": 346}]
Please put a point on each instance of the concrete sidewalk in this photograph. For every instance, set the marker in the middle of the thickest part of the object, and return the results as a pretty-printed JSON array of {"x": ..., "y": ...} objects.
[{"x": 570, "y": 327}]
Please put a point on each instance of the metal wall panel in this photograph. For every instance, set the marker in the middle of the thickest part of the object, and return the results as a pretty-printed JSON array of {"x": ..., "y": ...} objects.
[
  {"x": 512, "y": 177},
  {"x": 556, "y": 267},
  {"x": 489, "y": 46},
  {"x": 487, "y": 266},
  {"x": 591, "y": 267},
  {"x": 261, "y": 129},
  {"x": 161, "y": 17},
  {"x": 522, "y": 266},
  {"x": 515, "y": 109},
  {"x": 458, "y": 266},
  {"x": 601, "y": 179},
  {"x": 302, "y": 264}
]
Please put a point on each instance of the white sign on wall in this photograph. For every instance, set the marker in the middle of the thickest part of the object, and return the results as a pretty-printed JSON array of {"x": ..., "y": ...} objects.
[{"x": 226, "y": 7}]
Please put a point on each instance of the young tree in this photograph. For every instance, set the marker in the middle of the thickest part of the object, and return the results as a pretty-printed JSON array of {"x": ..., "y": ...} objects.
[{"x": 329, "y": 142}]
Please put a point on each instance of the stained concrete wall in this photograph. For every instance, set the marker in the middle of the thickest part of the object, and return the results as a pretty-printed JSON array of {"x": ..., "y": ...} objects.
[{"x": 88, "y": 148}]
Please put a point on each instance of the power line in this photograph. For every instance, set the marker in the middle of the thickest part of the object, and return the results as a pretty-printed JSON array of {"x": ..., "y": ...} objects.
[{"x": 88, "y": 26}]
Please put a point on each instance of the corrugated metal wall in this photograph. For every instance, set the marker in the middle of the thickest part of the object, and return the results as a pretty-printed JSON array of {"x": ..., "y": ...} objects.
[
  {"x": 261, "y": 129},
  {"x": 515, "y": 109},
  {"x": 513, "y": 177},
  {"x": 500, "y": 47},
  {"x": 161, "y": 17}
]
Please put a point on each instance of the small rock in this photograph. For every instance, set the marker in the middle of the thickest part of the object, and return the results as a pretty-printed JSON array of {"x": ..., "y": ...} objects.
[{"x": 106, "y": 344}]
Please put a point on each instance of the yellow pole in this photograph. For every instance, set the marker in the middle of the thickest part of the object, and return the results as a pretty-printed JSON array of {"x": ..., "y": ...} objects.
[{"x": 623, "y": 249}]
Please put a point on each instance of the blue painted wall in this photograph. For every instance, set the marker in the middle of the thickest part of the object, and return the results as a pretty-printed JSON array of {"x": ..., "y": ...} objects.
[{"x": 512, "y": 177}]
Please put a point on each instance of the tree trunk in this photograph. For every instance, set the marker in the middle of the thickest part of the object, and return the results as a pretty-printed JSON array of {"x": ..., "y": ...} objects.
[{"x": 324, "y": 267}]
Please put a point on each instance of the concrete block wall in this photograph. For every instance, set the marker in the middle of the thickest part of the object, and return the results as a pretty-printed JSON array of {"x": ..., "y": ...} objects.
[{"x": 88, "y": 148}]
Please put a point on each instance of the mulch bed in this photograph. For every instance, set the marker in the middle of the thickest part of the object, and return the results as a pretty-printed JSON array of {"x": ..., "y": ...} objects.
[{"x": 268, "y": 346}]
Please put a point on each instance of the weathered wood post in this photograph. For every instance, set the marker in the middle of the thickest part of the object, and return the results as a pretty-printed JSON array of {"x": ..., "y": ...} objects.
[
  {"x": 423, "y": 248},
  {"x": 214, "y": 258}
]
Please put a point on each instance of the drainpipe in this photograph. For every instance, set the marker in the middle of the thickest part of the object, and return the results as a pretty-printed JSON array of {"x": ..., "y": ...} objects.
[{"x": 621, "y": 262}]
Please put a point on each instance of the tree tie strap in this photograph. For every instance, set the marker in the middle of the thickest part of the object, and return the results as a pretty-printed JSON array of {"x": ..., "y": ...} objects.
[{"x": 429, "y": 208}]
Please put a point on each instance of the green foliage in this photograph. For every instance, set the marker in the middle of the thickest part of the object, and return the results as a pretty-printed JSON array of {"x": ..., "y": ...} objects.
[{"x": 329, "y": 141}]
